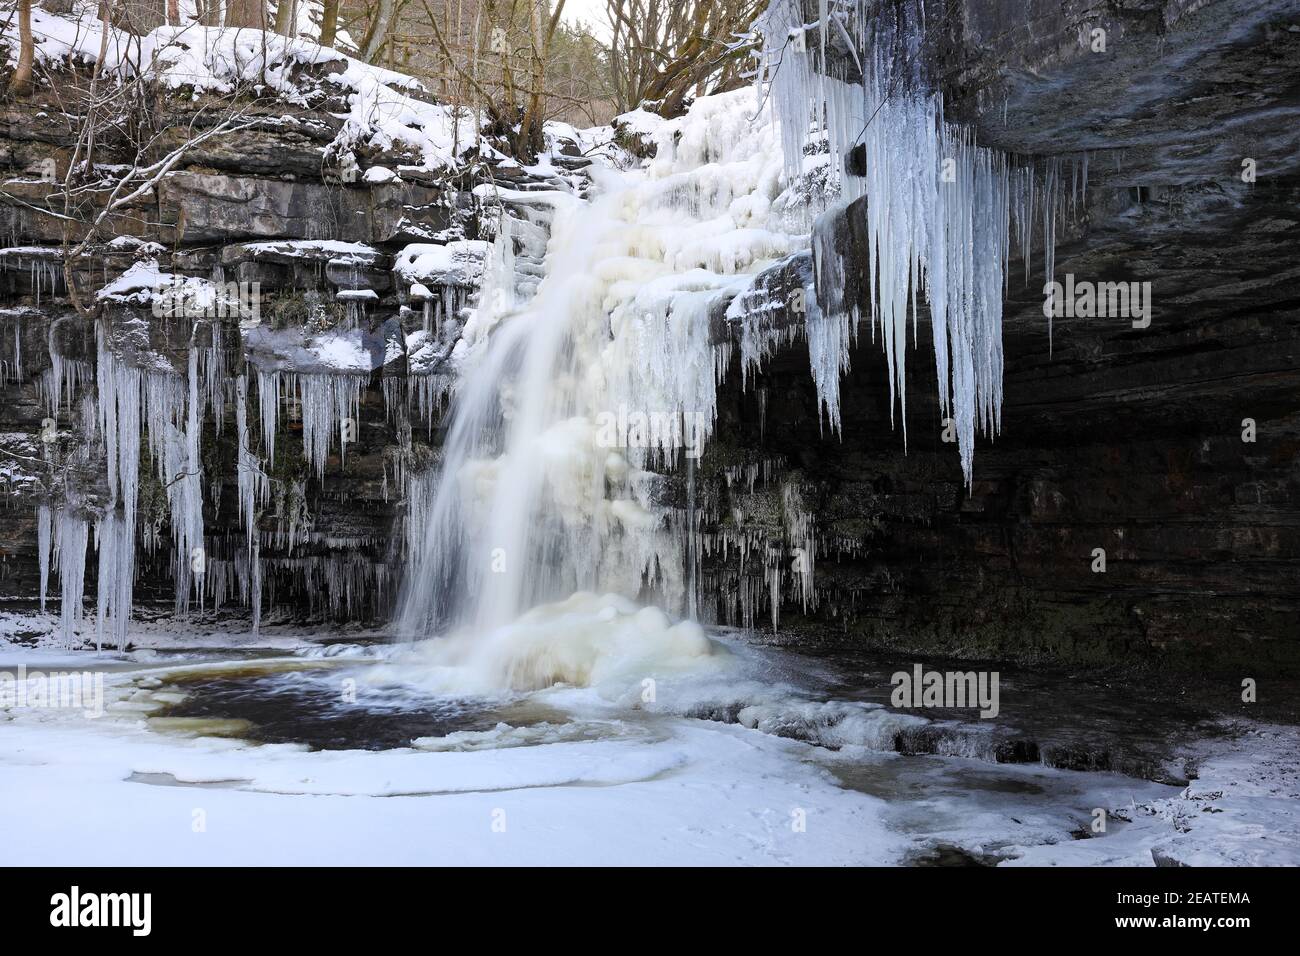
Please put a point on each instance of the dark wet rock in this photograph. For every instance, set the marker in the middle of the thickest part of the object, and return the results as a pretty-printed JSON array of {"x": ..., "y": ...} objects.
[
  {"x": 1112, "y": 437},
  {"x": 1166, "y": 856},
  {"x": 947, "y": 855}
]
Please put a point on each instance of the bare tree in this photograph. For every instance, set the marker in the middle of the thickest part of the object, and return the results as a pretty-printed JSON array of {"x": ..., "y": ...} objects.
[
  {"x": 286, "y": 18},
  {"x": 126, "y": 136},
  {"x": 329, "y": 22},
  {"x": 661, "y": 51},
  {"x": 381, "y": 20},
  {"x": 500, "y": 59},
  {"x": 20, "y": 84},
  {"x": 246, "y": 13}
]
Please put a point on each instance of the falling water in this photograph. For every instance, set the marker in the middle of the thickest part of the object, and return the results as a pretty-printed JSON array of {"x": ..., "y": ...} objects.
[
  {"x": 548, "y": 484},
  {"x": 551, "y": 481}
]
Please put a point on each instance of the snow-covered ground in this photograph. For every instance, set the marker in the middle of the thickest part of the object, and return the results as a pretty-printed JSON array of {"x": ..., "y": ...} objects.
[{"x": 607, "y": 778}]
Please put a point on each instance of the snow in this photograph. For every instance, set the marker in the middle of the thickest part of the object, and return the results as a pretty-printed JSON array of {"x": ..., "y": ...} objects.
[
  {"x": 639, "y": 121},
  {"x": 1239, "y": 811},
  {"x": 458, "y": 262},
  {"x": 173, "y": 295},
  {"x": 386, "y": 108},
  {"x": 137, "y": 284},
  {"x": 710, "y": 796},
  {"x": 331, "y": 249},
  {"x": 339, "y": 351},
  {"x": 613, "y": 775},
  {"x": 357, "y": 295}
]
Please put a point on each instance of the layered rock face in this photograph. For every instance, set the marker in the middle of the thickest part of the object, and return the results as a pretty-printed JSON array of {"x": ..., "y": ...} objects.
[
  {"x": 323, "y": 305},
  {"x": 1170, "y": 446},
  {"x": 1167, "y": 450}
]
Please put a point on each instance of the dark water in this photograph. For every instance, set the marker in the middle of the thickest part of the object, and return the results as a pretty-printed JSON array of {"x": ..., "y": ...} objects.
[
  {"x": 311, "y": 708},
  {"x": 1046, "y": 716}
]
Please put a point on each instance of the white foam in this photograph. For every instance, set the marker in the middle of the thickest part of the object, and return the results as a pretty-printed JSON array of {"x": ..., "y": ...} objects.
[{"x": 601, "y": 641}]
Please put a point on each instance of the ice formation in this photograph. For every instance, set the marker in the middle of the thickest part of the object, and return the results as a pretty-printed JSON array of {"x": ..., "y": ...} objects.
[
  {"x": 569, "y": 398},
  {"x": 585, "y": 640},
  {"x": 535, "y": 502},
  {"x": 939, "y": 209},
  {"x": 586, "y": 371}
]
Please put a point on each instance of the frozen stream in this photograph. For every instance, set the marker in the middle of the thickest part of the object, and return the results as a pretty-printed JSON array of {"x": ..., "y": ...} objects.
[{"x": 335, "y": 756}]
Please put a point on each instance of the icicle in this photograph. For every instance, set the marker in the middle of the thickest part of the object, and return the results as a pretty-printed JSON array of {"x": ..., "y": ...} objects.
[
  {"x": 1049, "y": 232},
  {"x": 73, "y": 536},
  {"x": 174, "y": 424},
  {"x": 18, "y": 350},
  {"x": 188, "y": 499},
  {"x": 252, "y": 483},
  {"x": 692, "y": 551},
  {"x": 268, "y": 398},
  {"x": 115, "y": 542},
  {"x": 938, "y": 213},
  {"x": 215, "y": 378},
  {"x": 119, "y": 421},
  {"x": 44, "y": 545},
  {"x": 330, "y": 403},
  {"x": 255, "y": 588}
]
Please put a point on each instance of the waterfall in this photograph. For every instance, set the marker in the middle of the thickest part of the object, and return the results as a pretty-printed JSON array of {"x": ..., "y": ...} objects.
[
  {"x": 568, "y": 402},
  {"x": 569, "y": 406}
]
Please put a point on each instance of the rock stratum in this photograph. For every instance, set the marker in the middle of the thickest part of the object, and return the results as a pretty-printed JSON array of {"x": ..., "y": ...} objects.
[{"x": 1171, "y": 446}]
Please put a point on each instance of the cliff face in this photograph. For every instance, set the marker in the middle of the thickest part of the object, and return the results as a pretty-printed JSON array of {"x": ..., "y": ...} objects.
[
  {"x": 277, "y": 231},
  {"x": 1171, "y": 446}
]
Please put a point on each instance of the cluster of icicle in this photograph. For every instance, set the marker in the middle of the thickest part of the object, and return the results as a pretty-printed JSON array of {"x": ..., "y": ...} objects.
[
  {"x": 124, "y": 408},
  {"x": 939, "y": 209},
  {"x": 128, "y": 404}
]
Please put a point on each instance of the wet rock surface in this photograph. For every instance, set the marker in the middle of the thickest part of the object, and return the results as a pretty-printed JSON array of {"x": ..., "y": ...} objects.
[
  {"x": 1172, "y": 447},
  {"x": 1113, "y": 437}
]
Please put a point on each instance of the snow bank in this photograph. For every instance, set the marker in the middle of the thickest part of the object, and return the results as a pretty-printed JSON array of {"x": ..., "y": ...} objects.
[
  {"x": 385, "y": 108},
  {"x": 459, "y": 262},
  {"x": 108, "y": 791}
]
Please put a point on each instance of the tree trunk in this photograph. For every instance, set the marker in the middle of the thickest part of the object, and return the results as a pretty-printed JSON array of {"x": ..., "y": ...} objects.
[
  {"x": 286, "y": 17},
  {"x": 374, "y": 40},
  {"x": 245, "y": 13},
  {"x": 21, "y": 82},
  {"x": 531, "y": 123},
  {"x": 329, "y": 22},
  {"x": 105, "y": 33}
]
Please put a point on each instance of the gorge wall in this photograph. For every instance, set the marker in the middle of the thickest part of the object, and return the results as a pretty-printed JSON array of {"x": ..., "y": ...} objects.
[
  {"x": 1113, "y": 437},
  {"x": 1172, "y": 446}
]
